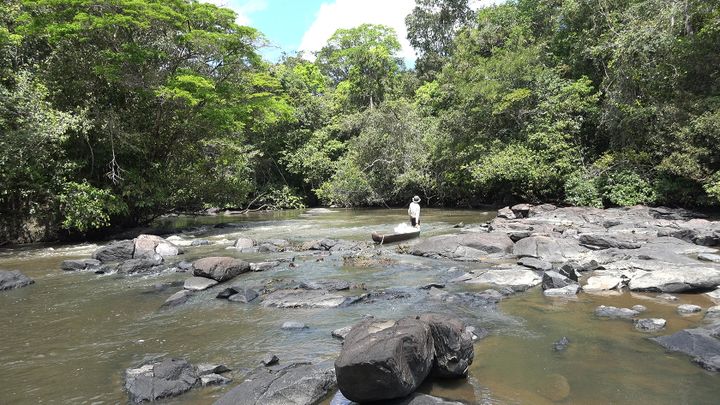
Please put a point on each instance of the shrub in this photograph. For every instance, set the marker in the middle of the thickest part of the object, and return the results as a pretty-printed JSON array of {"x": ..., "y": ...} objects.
[{"x": 581, "y": 189}]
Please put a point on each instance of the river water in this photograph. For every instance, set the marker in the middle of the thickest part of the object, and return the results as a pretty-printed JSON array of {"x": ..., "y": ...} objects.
[{"x": 69, "y": 337}]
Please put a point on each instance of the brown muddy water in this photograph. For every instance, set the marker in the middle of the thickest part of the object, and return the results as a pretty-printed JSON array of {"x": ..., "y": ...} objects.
[{"x": 68, "y": 338}]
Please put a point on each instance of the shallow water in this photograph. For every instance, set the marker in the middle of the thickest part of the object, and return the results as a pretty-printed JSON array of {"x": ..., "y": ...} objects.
[{"x": 68, "y": 338}]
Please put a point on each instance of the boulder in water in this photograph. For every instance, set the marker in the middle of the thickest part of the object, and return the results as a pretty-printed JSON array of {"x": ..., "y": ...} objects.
[
  {"x": 220, "y": 268},
  {"x": 10, "y": 279},
  {"x": 164, "y": 379},
  {"x": 297, "y": 384},
  {"x": 686, "y": 309},
  {"x": 453, "y": 345},
  {"x": 613, "y": 312},
  {"x": 178, "y": 298},
  {"x": 115, "y": 251},
  {"x": 649, "y": 324},
  {"x": 199, "y": 283},
  {"x": 243, "y": 295},
  {"x": 701, "y": 344},
  {"x": 80, "y": 264},
  {"x": 382, "y": 360}
]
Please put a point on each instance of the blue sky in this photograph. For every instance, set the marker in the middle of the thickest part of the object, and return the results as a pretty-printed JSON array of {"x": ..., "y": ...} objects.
[{"x": 295, "y": 25}]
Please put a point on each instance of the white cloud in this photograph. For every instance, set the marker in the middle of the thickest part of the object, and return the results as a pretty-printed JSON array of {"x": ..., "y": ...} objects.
[
  {"x": 351, "y": 13},
  {"x": 242, "y": 8}
]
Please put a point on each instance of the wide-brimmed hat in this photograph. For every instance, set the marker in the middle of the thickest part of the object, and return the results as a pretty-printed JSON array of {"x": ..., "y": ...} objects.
[{"x": 416, "y": 199}]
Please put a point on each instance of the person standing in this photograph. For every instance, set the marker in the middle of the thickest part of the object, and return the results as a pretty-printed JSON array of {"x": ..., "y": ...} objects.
[{"x": 414, "y": 212}]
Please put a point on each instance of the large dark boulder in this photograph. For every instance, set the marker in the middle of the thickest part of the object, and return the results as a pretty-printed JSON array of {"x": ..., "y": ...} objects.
[
  {"x": 10, "y": 279},
  {"x": 383, "y": 360},
  {"x": 164, "y": 379},
  {"x": 453, "y": 345},
  {"x": 296, "y": 384},
  {"x": 701, "y": 344},
  {"x": 415, "y": 398},
  {"x": 115, "y": 251},
  {"x": 220, "y": 268}
]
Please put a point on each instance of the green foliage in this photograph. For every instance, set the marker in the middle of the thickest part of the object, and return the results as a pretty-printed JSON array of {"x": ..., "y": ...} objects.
[
  {"x": 626, "y": 188},
  {"x": 84, "y": 207},
  {"x": 581, "y": 190}
]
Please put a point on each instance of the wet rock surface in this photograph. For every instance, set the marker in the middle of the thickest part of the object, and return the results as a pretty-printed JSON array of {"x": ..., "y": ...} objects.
[
  {"x": 466, "y": 246},
  {"x": 168, "y": 378},
  {"x": 11, "y": 279},
  {"x": 616, "y": 313},
  {"x": 701, "y": 344},
  {"x": 649, "y": 324},
  {"x": 220, "y": 268},
  {"x": 297, "y": 384},
  {"x": 80, "y": 264}
]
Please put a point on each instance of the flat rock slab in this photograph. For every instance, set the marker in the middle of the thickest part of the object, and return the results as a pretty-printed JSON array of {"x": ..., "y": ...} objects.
[
  {"x": 304, "y": 299},
  {"x": 199, "y": 283},
  {"x": 709, "y": 257},
  {"x": 603, "y": 283},
  {"x": 615, "y": 313},
  {"x": 698, "y": 343},
  {"x": 518, "y": 278},
  {"x": 467, "y": 246},
  {"x": 178, "y": 298},
  {"x": 415, "y": 398},
  {"x": 686, "y": 309},
  {"x": 244, "y": 295},
  {"x": 714, "y": 295},
  {"x": 297, "y": 384},
  {"x": 570, "y": 290},
  {"x": 535, "y": 264},
  {"x": 677, "y": 279},
  {"x": 549, "y": 249},
  {"x": 10, "y": 279}
]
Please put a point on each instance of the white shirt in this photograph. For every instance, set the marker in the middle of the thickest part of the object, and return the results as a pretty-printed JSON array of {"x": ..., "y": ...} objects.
[{"x": 414, "y": 210}]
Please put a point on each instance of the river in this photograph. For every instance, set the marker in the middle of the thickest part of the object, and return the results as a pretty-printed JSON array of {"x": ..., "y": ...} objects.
[{"x": 69, "y": 337}]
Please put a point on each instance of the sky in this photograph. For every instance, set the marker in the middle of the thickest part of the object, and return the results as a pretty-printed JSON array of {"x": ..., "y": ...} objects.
[{"x": 306, "y": 25}]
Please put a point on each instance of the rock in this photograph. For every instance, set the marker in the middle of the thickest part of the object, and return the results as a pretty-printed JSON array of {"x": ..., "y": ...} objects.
[
  {"x": 709, "y": 257},
  {"x": 535, "y": 264},
  {"x": 200, "y": 242},
  {"x": 166, "y": 249},
  {"x": 244, "y": 295},
  {"x": 613, "y": 312},
  {"x": 713, "y": 313},
  {"x": 603, "y": 283},
  {"x": 304, "y": 299},
  {"x": 714, "y": 295},
  {"x": 167, "y": 378},
  {"x": 467, "y": 246},
  {"x": 262, "y": 266},
  {"x": 145, "y": 246},
  {"x": 521, "y": 210},
  {"x": 220, "y": 268},
  {"x": 293, "y": 325},
  {"x": 199, "y": 283},
  {"x": 561, "y": 344},
  {"x": 227, "y": 293},
  {"x": 685, "y": 309},
  {"x": 459, "y": 225},
  {"x": 383, "y": 360},
  {"x": 676, "y": 279},
  {"x": 453, "y": 345},
  {"x": 606, "y": 241},
  {"x": 570, "y": 272},
  {"x": 115, "y": 251},
  {"x": 184, "y": 266},
  {"x": 244, "y": 243},
  {"x": 135, "y": 266},
  {"x": 329, "y": 285},
  {"x": 506, "y": 213},
  {"x": 553, "y": 279},
  {"x": 79, "y": 265},
  {"x": 667, "y": 297},
  {"x": 178, "y": 298},
  {"x": 639, "y": 308},
  {"x": 341, "y": 333},
  {"x": 206, "y": 368},
  {"x": 415, "y": 398},
  {"x": 269, "y": 360},
  {"x": 518, "y": 278},
  {"x": 214, "y": 379},
  {"x": 549, "y": 249},
  {"x": 569, "y": 290},
  {"x": 10, "y": 279},
  {"x": 649, "y": 324},
  {"x": 432, "y": 285},
  {"x": 698, "y": 343},
  {"x": 297, "y": 384}
]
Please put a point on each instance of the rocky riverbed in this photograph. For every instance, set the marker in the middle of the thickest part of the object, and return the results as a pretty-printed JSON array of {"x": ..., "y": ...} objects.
[{"x": 287, "y": 292}]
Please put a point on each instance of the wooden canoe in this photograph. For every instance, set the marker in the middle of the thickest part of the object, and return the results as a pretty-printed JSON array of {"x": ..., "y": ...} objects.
[{"x": 394, "y": 237}]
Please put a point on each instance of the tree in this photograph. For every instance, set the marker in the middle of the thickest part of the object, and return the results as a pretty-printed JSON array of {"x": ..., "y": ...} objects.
[
  {"x": 432, "y": 26},
  {"x": 363, "y": 60}
]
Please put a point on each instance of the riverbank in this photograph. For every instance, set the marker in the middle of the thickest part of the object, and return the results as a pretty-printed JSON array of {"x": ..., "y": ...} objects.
[{"x": 516, "y": 331}]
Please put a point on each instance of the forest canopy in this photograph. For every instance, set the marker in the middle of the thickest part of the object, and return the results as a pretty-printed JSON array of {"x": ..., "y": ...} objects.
[{"x": 113, "y": 112}]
